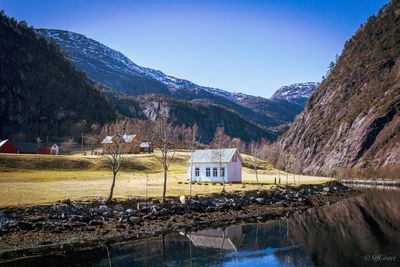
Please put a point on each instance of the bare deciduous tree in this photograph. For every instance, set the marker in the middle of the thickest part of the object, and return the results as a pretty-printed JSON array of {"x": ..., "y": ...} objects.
[
  {"x": 81, "y": 128},
  {"x": 219, "y": 142},
  {"x": 237, "y": 143},
  {"x": 270, "y": 153},
  {"x": 39, "y": 142},
  {"x": 68, "y": 144},
  {"x": 220, "y": 138},
  {"x": 115, "y": 147},
  {"x": 287, "y": 161},
  {"x": 190, "y": 139},
  {"x": 92, "y": 140},
  {"x": 255, "y": 152},
  {"x": 165, "y": 138}
]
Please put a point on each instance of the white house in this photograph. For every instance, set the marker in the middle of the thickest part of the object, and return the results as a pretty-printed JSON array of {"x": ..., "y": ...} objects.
[
  {"x": 54, "y": 149},
  {"x": 215, "y": 165}
]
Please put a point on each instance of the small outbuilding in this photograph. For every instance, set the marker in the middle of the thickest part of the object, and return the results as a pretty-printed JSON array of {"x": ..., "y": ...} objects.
[
  {"x": 130, "y": 144},
  {"x": 215, "y": 165},
  {"x": 145, "y": 147},
  {"x": 55, "y": 149},
  {"x": 6, "y": 146}
]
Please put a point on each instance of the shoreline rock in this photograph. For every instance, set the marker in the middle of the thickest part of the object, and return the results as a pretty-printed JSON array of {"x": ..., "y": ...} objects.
[{"x": 89, "y": 223}]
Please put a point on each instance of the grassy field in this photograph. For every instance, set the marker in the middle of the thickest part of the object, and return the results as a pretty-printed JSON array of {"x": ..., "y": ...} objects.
[{"x": 38, "y": 179}]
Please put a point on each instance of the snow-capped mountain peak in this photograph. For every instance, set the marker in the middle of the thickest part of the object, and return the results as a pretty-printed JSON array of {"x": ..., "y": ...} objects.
[
  {"x": 295, "y": 91},
  {"x": 114, "y": 70}
]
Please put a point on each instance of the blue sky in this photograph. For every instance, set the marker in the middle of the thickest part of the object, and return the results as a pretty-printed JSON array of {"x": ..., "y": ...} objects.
[{"x": 252, "y": 47}]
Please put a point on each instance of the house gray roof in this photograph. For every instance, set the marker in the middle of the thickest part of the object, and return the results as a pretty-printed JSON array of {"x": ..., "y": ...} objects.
[
  {"x": 127, "y": 139},
  {"x": 213, "y": 155},
  {"x": 3, "y": 142},
  {"x": 218, "y": 242},
  {"x": 228, "y": 239},
  {"x": 145, "y": 144}
]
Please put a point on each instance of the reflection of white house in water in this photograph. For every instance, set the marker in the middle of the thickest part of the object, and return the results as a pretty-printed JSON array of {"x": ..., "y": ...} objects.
[
  {"x": 214, "y": 165},
  {"x": 228, "y": 239}
]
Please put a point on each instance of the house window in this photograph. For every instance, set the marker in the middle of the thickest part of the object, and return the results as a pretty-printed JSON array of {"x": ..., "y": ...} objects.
[
  {"x": 197, "y": 172},
  {"x": 234, "y": 159},
  {"x": 222, "y": 172},
  {"x": 215, "y": 172},
  {"x": 208, "y": 172}
]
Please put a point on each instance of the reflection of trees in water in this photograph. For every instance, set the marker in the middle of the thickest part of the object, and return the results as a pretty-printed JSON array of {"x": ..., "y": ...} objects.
[
  {"x": 170, "y": 250},
  {"x": 210, "y": 247},
  {"x": 344, "y": 233},
  {"x": 174, "y": 249},
  {"x": 337, "y": 235}
]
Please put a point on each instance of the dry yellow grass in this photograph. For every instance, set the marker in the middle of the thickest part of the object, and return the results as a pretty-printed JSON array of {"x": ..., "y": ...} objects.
[{"x": 39, "y": 179}]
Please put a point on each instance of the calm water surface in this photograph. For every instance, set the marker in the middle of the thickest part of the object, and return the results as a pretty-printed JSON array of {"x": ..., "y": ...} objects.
[{"x": 361, "y": 231}]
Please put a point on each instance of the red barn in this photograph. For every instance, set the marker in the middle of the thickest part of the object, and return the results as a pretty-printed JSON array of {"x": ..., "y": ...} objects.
[
  {"x": 6, "y": 146},
  {"x": 44, "y": 150}
]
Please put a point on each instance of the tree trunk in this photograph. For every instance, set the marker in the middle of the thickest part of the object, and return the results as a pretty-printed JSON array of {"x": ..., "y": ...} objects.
[
  {"x": 190, "y": 188},
  {"x": 287, "y": 177},
  {"x": 112, "y": 185},
  {"x": 191, "y": 176},
  {"x": 257, "y": 176},
  {"x": 165, "y": 186}
]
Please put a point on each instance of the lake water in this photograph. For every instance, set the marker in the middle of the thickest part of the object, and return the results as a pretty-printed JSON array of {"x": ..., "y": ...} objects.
[{"x": 360, "y": 231}]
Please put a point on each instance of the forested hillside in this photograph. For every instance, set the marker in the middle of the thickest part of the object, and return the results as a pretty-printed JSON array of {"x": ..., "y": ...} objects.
[
  {"x": 41, "y": 93},
  {"x": 207, "y": 116}
]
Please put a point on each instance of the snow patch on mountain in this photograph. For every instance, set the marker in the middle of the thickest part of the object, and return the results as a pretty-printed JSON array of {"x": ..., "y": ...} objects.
[
  {"x": 295, "y": 91},
  {"x": 84, "y": 51},
  {"x": 114, "y": 61}
]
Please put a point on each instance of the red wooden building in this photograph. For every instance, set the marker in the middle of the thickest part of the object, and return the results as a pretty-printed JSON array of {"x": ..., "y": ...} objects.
[{"x": 6, "y": 146}]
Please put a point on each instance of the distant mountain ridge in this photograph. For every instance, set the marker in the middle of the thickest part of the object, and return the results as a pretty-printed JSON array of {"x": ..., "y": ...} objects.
[{"x": 113, "y": 69}]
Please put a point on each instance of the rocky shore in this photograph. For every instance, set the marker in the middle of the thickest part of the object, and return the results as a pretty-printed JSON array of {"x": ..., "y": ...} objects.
[{"x": 72, "y": 225}]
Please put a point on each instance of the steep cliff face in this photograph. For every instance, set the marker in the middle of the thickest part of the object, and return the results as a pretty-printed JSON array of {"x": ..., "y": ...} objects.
[{"x": 353, "y": 119}]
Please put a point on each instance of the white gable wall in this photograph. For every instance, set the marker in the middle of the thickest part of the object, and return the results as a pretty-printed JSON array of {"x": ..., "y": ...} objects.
[
  {"x": 233, "y": 172},
  {"x": 204, "y": 159},
  {"x": 203, "y": 177}
]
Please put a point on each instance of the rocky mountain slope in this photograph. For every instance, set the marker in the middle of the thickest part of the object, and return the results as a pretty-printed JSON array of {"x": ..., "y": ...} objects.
[
  {"x": 112, "y": 69},
  {"x": 189, "y": 113},
  {"x": 39, "y": 88},
  {"x": 353, "y": 119}
]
